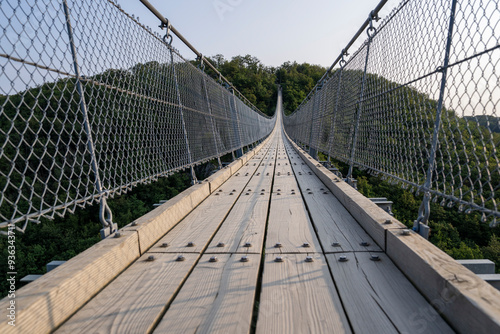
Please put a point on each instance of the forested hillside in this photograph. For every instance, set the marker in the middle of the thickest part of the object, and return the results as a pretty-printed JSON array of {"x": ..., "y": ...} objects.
[{"x": 258, "y": 82}]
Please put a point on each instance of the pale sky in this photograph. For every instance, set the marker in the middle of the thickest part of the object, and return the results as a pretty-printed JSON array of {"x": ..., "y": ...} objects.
[{"x": 274, "y": 31}]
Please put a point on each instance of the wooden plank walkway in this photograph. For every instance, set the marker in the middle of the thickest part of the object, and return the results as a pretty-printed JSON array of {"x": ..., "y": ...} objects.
[{"x": 263, "y": 253}]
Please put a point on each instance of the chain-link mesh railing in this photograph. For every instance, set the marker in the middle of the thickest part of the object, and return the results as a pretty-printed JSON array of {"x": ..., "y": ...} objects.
[
  {"x": 417, "y": 102},
  {"x": 93, "y": 103}
]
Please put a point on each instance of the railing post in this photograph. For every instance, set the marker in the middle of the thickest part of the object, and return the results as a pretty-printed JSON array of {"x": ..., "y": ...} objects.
[
  {"x": 105, "y": 214},
  {"x": 370, "y": 31},
  {"x": 236, "y": 125},
  {"x": 214, "y": 133},
  {"x": 312, "y": 151},
  {"x": 420, "y": 225},
  {"x": 194, "y": 180},
  {"x": 335, "y": 110}
]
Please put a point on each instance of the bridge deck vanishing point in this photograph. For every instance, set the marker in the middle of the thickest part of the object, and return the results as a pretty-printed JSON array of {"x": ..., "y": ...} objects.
[{"x": 271, "y": 250}]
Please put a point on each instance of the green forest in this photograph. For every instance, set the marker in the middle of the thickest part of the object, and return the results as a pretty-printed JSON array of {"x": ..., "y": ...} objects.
[{"x": 460, "y": 235}]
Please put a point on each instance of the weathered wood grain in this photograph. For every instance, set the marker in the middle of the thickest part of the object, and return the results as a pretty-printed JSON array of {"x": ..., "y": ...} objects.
[
  {"x": 44, "y": 304},
  {"x": 199, "y": 226},
  {"x": 366, "y": 213},
  {"x": 332, "y": 221},
  {"x": 216, "y": 298},
  {"x": 289, "y": 225},
  {"x": 136, "y": 300},
  {"x": 470, "y": 304},
  {"x": 245, "y": 224},
  {"x": 378, "y": 298},
  {"x": 299, "y": 297},
  {"x": 285, "y": 184}
]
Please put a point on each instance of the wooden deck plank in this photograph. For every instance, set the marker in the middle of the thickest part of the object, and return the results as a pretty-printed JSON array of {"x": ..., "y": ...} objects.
[
  {"x": 285, "y": 184},
  {"x": 333, "y": 222},
  {"x": 199, "y": 226},
  {"x": 135, "y": 300},
  {"x": 378, "y": 298},
  {"x": 289, "y": 225},
  {"x": 299, "y": 297},
  {"x": 245, "y": 224},
  {"x": 216, "y": 298}
]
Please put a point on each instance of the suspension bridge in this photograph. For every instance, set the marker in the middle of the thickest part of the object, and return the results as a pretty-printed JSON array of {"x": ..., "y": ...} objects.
[{"x": 275, "y": 241}]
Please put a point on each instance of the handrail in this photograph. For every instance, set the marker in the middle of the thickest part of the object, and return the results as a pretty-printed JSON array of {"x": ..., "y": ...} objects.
[
  {"x": 373, "y": 14},
  {"x": 198, "y": 54}
]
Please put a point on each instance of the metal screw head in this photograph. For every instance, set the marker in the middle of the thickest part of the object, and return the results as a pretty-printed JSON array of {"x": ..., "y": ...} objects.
[
  {"x": 118, "y": 234},
  {"x": 216, "y": 194},
  {"x": 375, "y": 258},
  {"x": 343, "y": 258},
  {"x": 190, "y": 244},
  {"x": 244, "y": 259},
  {"x": 309, "y": 259},
  {"x": 388, "y": 221},
  {"x": 150, "y": 258},
  {"x": 365, "y": 244},
  {"x": 262, "y": 193},
  {"x": 247, "y": 193},
  {"x": 278, "y": 194},
  {"x": 247, "y": 244},
  {"x": 221, "y": 244},
  {"x": 325, "y": 192},
  {"x": 310, "y": 192},
  {"x": 164, "y": 245},
  {"x": 220, "y": 190},
  {"x": 180, "y": 258},
  {"x": 278, "y": 245},
  {"x": 293, "y": 193},
  {"x": 279, "y": 190},
  {"x": 213, "y": 259},
  {"x": 306, "y": 245},
  {"x": 263, "y": 190},
  {"x": 278, "y": 259},
  {"x": 406, "y": 232},
  {"x": 230, "y": 193}
]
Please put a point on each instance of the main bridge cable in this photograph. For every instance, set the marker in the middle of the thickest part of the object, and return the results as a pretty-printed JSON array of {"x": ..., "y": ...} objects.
[{"x": 165, "y": 23}]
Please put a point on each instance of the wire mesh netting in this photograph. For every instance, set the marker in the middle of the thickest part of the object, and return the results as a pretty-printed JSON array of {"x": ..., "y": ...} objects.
[
  {"x": 418, "y": 103},
  {"x": 92, "y": 103}
]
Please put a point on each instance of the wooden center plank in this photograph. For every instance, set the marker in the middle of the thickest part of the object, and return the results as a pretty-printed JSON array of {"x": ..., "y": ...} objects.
[
  {"x": 289, "y": 225},
  {"x": 216, "y": 298},
  {"x": 244, "y": 228},
  {"x": 299, "y": 297}
]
